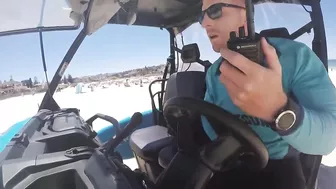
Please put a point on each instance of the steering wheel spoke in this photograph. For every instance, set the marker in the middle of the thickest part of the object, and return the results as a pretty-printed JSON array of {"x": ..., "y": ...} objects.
[{"x": 221, "y": 154}]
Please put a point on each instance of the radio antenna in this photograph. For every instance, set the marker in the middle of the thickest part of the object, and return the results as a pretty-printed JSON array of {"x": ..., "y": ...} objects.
[
  {"x": 250, "y": 19},
  {"x": 42, "y": 48}
]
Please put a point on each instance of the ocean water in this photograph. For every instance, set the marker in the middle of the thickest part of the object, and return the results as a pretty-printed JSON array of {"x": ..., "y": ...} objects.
[{"x": 332, "y": 65}]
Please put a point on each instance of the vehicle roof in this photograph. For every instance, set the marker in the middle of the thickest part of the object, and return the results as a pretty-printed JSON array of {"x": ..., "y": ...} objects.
[{"x": 176, "y": 14}]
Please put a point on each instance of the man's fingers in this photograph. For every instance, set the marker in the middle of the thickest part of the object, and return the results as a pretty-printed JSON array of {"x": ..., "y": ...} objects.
[
  {"x": 233, "y": 74},
  {"x": 233, "y": 90},
  {"x": 238, "y": 60},
  {"x": 271, "y": 56}
]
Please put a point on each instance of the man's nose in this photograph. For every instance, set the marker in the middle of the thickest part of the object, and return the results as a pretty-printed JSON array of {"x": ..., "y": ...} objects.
[{"x": 207, "y": 22}]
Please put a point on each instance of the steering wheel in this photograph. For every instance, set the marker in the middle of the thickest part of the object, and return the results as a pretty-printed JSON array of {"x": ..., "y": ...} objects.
[{"x": 234, "y": 136}]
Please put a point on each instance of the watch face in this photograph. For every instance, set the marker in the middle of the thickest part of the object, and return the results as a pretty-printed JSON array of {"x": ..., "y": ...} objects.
[{"x": 286, "y": 120}]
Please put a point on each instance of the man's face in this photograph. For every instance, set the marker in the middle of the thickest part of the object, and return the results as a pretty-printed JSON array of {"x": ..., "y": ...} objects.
[{"x": 219, "y": 29}]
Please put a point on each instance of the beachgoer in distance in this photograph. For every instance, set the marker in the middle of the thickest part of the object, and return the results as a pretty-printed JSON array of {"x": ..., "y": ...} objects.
[{"x": 293, "y": 79}]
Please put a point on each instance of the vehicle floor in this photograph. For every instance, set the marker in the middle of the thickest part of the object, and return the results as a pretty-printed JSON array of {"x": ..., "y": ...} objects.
[{"x": 326, "y": 178}]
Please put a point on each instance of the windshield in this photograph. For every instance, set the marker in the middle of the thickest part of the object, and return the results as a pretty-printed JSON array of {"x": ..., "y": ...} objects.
[
  {"x": 112, "y": 69},
  {"x": 16, "y": 15},
  {"x": 267, "y": 16}
]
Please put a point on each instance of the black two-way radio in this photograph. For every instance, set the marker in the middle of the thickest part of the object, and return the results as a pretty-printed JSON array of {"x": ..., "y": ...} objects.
[{"x": 248, "y": 46}]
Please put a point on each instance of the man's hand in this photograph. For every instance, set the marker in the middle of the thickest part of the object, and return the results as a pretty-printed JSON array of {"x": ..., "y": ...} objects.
[{"x": 256, "y": 90}]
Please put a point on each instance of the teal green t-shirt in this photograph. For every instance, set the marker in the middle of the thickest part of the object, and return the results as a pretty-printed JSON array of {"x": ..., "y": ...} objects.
[{"x": 304, "y": 75}]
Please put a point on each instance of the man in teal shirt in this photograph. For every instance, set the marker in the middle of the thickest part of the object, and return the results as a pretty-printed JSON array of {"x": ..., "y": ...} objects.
[{"x": 293, "y": 78}]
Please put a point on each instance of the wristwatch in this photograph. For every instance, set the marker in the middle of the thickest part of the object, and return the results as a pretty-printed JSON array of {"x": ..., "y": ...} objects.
[{"x": 288, "y": 117}]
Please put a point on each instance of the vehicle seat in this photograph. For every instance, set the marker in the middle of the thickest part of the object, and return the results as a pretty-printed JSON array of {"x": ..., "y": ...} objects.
[
  {"x": 166, "y": 155},
  {"x": 276, "y": 32},
  {"x": 184, "y": 84},
  {"x": 147, "y": 142}
]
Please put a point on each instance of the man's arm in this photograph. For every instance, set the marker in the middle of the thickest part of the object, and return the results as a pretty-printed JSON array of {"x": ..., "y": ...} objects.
[{"x": 316, "y": 94}]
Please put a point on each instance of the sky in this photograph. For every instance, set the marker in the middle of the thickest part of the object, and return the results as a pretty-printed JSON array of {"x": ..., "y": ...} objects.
[{"x": 115, "y": 48}]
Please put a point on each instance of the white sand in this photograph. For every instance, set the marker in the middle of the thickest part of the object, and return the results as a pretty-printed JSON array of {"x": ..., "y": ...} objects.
[{"x": 118, "y": 102}]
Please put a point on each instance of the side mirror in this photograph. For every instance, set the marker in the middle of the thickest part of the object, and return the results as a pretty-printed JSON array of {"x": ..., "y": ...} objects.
[{"x": 190, "y": 53}]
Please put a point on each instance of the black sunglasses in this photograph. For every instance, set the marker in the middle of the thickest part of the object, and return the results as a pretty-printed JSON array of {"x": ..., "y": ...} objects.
[{"x": 215, "y": 11}]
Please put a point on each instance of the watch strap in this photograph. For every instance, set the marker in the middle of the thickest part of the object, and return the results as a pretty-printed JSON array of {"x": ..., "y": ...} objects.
[{"x": 299, "y": 113}]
